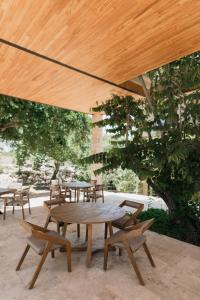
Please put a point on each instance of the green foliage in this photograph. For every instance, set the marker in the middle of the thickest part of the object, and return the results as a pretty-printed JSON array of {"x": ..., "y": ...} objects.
[
  {"x": 82, "y": 173},
  {"x": 160, "y": 142},
  {"x": 162, "y": 219},
  {"x": 42, "y": 130},
  {"x": 165, "y": 224},
  {"x": 124, "y": 180}
]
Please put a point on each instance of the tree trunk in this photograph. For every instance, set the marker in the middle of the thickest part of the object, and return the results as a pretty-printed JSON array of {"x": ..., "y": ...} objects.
[
  {"x": 164, "y": 195},
  {"x": 57, "y": 165}
]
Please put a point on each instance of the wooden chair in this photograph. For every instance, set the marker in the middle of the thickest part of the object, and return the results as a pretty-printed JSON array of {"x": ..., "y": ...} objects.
[
  {"x": 17, "y": 198},
  {"x": 130, "y": 217},
  {"x": 88, "y": 191},
  {"x": 131, "y": 241},
  {"x": 49, "y": 204},
  {"x": 60, "y": 225},
  {"x": 96, "y": 193},
  {"x": 57, "y": 192},
  {"x": 43, "y": 241}
]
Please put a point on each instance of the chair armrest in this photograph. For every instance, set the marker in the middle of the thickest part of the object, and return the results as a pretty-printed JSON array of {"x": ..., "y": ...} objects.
[
  {"x": 30, "y": 227},
  {"x": 50, "y": 238}
]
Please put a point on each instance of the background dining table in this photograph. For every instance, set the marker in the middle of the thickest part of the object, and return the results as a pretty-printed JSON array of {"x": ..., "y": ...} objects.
[
  {"x": 88, "y": 214},
  {"x": 77, "y": 186}
]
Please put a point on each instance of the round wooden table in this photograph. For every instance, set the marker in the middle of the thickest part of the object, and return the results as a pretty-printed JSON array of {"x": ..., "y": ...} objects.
[
  {"x": 89, "y": 214},
  {"x": 77, "y": 185}
]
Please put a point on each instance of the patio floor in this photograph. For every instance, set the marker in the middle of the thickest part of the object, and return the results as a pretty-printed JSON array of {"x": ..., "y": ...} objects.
[{"x": 176, "y": 276}]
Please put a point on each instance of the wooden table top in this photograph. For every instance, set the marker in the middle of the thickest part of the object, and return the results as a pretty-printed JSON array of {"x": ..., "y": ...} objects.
[
  {"x": 77, "y": 185},
  {"x": 87, "y": 213}
]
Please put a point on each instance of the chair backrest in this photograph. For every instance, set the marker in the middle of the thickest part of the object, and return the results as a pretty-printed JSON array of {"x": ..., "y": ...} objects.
[
  {"x": 30, "y": 227},
  {"x": 136, "y": 205},
  {"x": 93, "y": 182},
  {"x": 54, "y": 190},
  {"x": 138, "y": 229},
  {"x": 25, "y": 190},
  {"x": 49, "y": 203},
  {"x": 41, "y": 233},
  {"x": 22, "y": 192},
  {"x": 54, "y": 181},
  {"x": 98, "y": 188}
]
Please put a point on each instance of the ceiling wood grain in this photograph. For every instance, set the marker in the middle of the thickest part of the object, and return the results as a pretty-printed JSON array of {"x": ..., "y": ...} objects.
[{"x": 115, "y": 40}]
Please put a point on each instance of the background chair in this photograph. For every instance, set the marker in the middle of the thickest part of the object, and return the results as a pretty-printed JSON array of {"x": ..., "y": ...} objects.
[
  {"x": 43, "y": 241},
  {"x": 131, "y": 241},
  {"x": 87, "y": 191},
  {"x": 130, "y": 218},
  {"x": 96, "y": 193},
  {"x": 17, "y": 198},
  {"x": 57, "y": 192}
]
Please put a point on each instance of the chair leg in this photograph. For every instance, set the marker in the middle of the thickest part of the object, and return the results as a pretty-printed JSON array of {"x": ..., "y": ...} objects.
[
  {"x": 23, "y": 216},
  {"x": 39, "y": 267},
  {"x": 146, "y": 249},
  {"x": 4, "y": 212},
  {"x": 120, "y": 251},
  {"x": 53, "y": 253},
  {"x": 106, "y": 231},
  {"x": 58, "y": 228},
  {"x": 48, "y": 220},
  {"x": 22, "y": 257},
  {"x": 13, "y": 210},
  {"x": 29, "y": 207},
  {"x": 86, "y": 234},
  {"x": 134, "y": 264},
  {"x": 78, "y": 230},
  {"x": 64, "y": 230},
  {"x": 103, "y": 198},
  {"x": 110, "y": 228},
  {"x": 69, "y": 261},
  {"x": 105, "y": 256}
]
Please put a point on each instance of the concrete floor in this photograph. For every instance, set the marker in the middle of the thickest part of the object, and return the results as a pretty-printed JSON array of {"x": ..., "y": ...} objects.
[{"x": 176, "y": 276}]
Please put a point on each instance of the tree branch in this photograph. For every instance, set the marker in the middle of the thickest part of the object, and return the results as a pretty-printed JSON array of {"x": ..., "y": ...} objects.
[{"x": 13, "y": 124}]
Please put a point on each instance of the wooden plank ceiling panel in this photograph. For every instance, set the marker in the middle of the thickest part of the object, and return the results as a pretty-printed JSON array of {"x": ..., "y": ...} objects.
[
  {"x": 115, "y": 40},
  {"x": 32, "y": 78}
]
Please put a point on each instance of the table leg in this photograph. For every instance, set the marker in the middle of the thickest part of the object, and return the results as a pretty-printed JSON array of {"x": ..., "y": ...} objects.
[
  {"x": 89, "y": 245},
  {"x": 78, "y": 194}
]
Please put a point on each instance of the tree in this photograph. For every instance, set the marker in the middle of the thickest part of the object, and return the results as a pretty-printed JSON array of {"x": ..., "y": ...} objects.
[
  {"x": 37, "y": 129},
  {"x": 160, "y": 142}
]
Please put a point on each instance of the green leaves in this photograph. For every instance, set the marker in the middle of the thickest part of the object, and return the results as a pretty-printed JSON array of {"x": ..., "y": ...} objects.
[
  {"x": 59, "y": 134},
  {"x": 161, "y": 145}
]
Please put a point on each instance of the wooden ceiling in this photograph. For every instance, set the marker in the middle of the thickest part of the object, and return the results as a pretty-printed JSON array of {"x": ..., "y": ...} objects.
[{"x": 114, "y": 40}]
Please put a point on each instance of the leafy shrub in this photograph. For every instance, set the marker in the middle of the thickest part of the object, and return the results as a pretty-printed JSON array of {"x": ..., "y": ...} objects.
[
  {"x": 165, "y": 224},
  {"x": 124, "y": 180},
  {"x": 82, "y": 173}
]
